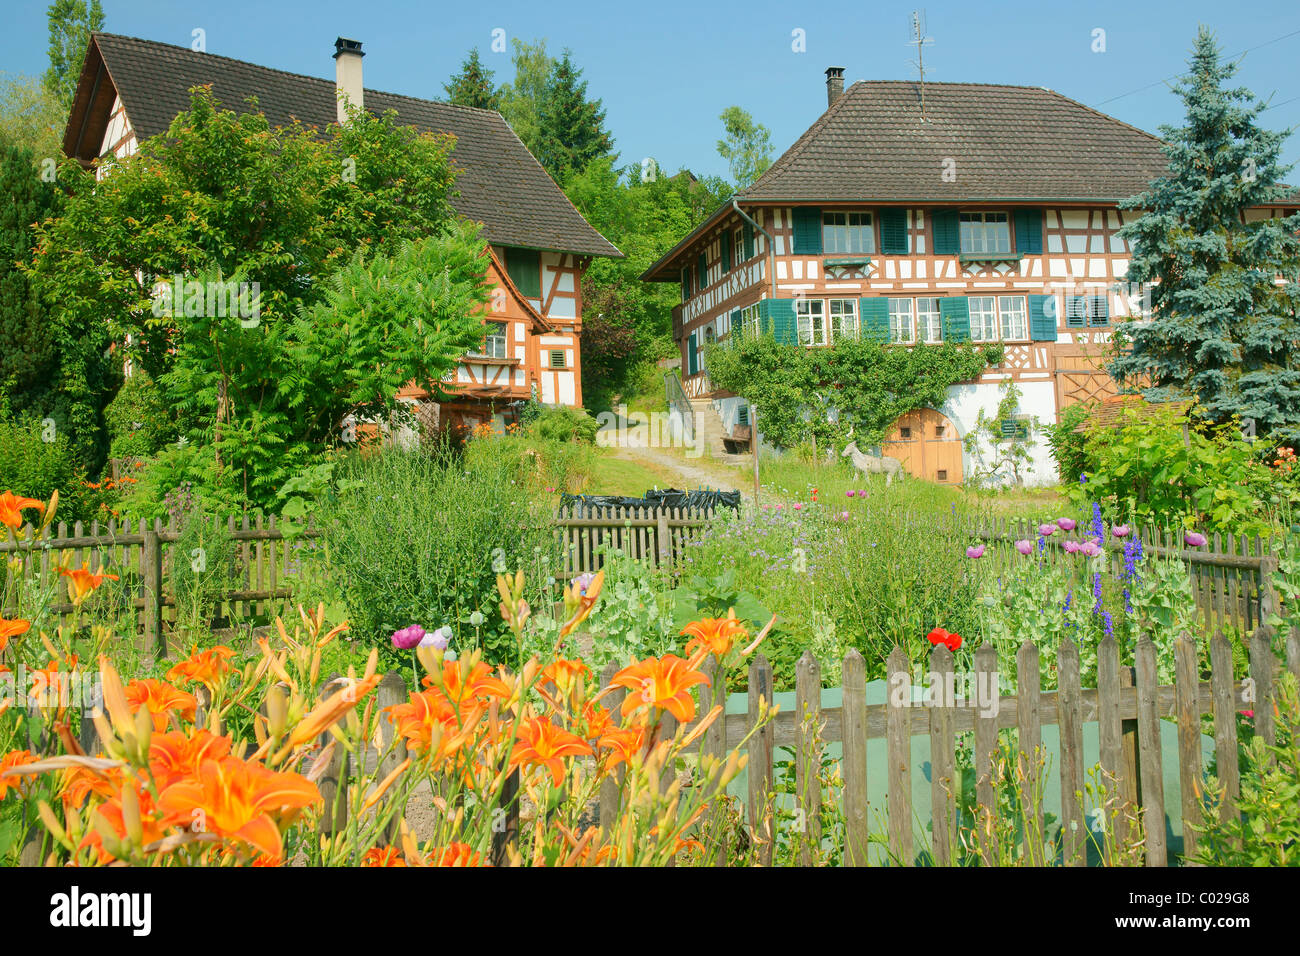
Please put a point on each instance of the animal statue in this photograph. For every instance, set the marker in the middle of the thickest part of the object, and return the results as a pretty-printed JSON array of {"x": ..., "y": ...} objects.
[{"x": 871, "y": 465}]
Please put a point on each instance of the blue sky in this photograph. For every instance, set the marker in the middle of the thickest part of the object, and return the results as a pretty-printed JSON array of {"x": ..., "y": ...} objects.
[{"x": 665, "y": 70}]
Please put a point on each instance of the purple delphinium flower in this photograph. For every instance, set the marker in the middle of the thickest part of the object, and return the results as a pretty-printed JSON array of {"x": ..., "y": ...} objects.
[
  {"x": 1096, "y": 592},
  {"x": 1025, "y": 546},
  {"x": 1194, "y": 539},
  {"x": 1066, "y": 524},
  {"x": 1109, "y": 623},
  {"x": 1069, "y": 597},
  {"x": 1098, "y": 528},
  {"x": 408, "y": 637},
  {"x": 1083, "y": 478},
  {"x": 975, "y": 551},
  {"x": 1042, "y": 545}
]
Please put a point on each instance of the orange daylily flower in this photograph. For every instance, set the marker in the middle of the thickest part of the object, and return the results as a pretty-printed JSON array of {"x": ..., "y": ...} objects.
[
  {"x": 176, "y": 755},
  {"x": 15, "y": 758},
  {"x": 623, "y": 743},
  {"x": 82, "y": 582},
  {"x": 542, "y": 743},
  {"x": 111, "y": 816},
  {"x": 664, "y": 683},
  {"x": 242, "y": 800},
  {"x": 329, "y": 712},
  {"x": 431, "y": 724},
  {"x": 456, "y": 854},
  {"x": 462, "y": 683},
  {"x": 597, "y": 719},
  {"x": 580, "y": 597},
  {"x": 715, "y": 635},
  {"x": 205, "y": 667},
  {"x": 564, "y": 673},
  {"x": 160, "y": 699},
  {"x": 12, "y": 628},
  {"x": 51, "y": 685},
  {"x": 11, "y": 507},
  {"x": 383, "y": 856}
]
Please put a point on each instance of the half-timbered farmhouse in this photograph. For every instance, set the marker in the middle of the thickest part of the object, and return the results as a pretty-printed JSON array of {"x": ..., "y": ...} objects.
[
  {"x": 540, "y": 245},
  {"x": 990, "y": 216}
]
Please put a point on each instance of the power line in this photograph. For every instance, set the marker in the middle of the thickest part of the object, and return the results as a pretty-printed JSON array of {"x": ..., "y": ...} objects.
[{"x": 1177, "y": 76}]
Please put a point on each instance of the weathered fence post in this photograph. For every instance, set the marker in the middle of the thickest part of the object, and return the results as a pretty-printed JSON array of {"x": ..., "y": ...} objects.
[
  {"x": 1187, "y": 692},
  {"x": 391, "y": 692},
  {"x": 1261, "y": 672},
  {"x": 808, "y": 755},
  {"x": 714, "y": 744},
  {"x": 854, "y": 734},
  {"x": 609, "y": 787},
  {"x": 943, "y": 805},
  {"x": 334, "y": 782},
  {"x": 151, "y": 571},
  {"x": 505, "y": 820},
  {"x": 898, "y": 745},
  {"x": 986, "y": 750},
  {"x": 1153, "y": 785},
  {"x": 1131, "y": 778},
  {"x": 663, "y": 539},
  {"x": 1029, "y": 727},
  {"x": 759, "y": 768},
  {"x": 1070, "y": 722},
  {"x": 1225, "y": 724}
]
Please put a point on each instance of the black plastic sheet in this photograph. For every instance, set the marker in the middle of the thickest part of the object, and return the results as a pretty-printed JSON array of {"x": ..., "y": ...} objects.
[{"x": 655, "y": 500}]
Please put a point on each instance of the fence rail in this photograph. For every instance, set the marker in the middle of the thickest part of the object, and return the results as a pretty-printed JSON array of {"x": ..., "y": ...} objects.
[
  {"x": 1230, "y": 576},
  {"x": 658, "y": 535}
]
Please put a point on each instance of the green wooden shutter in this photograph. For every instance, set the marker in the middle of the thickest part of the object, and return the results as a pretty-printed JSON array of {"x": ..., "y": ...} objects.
[
  {"x": 702, "y": 271},
  {"x": 724, "y": 244},
  {"x": 749, "y": 242},
  {"x": 947, "y": 232},
  {"x": 1029, "y": 231},
  {"x": 873, "y": 318},
  {"x": 893, "y": 232},
  {"x": 807, "y": 231},
  {"x": 742, "y": 415},
  {"x": 777, "y": 316},
  {"x": 524, "y": 266},
  {"x": 692, "y": 357},
  {"x": 1042, "y": 318},
  {"x": 1099, "y": 310},
  {"x": 737, "y": 329},
  {"x": 1076, "y": 311},
  {"x": 954, "y": 314}
]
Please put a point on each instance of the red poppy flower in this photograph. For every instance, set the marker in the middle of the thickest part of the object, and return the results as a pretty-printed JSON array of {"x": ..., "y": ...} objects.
[{"x": 940, "y": 636}]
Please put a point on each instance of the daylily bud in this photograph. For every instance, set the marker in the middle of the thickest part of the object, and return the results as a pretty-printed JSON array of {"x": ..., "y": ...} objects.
[
  {"x": 131, "y": 815},
  {"x": 277, "y": 706}
]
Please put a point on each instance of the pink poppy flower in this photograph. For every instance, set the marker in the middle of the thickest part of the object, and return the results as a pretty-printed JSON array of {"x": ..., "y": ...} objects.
[
  {"x": 1195, "y": 539},
  {"x": 1071, "y": 547},
  {"x": 1047, "y": 530},
  {"x": 1066, "y": 524},
  {"x": 1025, "y": 546},
  {"x": 408, "y": 637},
  {"x": 1090, "y": 548},
  {"x": 976, "y": 551},
  {"x": 1120, "y": 530}
]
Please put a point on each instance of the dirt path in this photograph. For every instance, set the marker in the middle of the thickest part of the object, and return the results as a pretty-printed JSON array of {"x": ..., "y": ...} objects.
[{"x": 691, "y": 474}]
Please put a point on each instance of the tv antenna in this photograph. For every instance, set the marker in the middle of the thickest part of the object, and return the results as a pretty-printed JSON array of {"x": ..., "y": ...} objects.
[{"x": 920, "y": 39}]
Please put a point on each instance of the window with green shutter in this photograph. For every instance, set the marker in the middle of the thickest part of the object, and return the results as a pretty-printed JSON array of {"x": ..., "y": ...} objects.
[
  {"x": 692, "y": 357},
  {"x": 724, "y": 245},
  {"x": 1014, "y": 429},
  {"x": 947, "y": 232},
  {"x": 702, "y": 272},
  {"x": 749, "y": 242},
  {"x": 1082, "y": 311},
  {"x": 524, "y": 266},
  {"x": 777, "y": 317},
  {"x": 873, "y": 318},
  {"x": 807, "y": 231},
  {"x": 893, "y": 232},
  {"x": 1029, "y": 231},
  {"x": 742, "y": 415},
  {"x": 954, "y": 314},
  {"x": 1042, "y": 318},
  {"x": 686, "y": 284}
]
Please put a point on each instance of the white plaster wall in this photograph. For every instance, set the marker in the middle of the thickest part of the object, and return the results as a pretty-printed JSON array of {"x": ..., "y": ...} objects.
[{"x": 1037, "y": 399}]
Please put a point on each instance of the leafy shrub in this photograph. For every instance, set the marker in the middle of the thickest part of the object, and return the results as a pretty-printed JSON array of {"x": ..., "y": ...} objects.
[
  {"x": 564, "y": 424},
  {"x": 37, "y": 459},
  {"x": 1067, "y": 445},
  {"x": 201, "y": 571},
  {"x": 138, "y": 421},
  {"x": 411, "y": 538}
]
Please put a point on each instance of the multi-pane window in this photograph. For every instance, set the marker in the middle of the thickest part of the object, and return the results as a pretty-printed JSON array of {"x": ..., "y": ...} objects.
[
  {"x": 929, "y": 322},
  {"x": 900, "y": 322},
  {"x": 985, "y": 233},
  {"x": 738, "y": 246},
  {"x": 1015, "y": 322},
  {"x": 811, "y": 314},
  {"x": 686, "y": 284},
  {"x": 847, "y": 232},
  {"x": 495, "y": 343},
  {"x": 983, "y": 318},
  {"x": 844, "y": 318},
  {"x": 749, "y": 321}
]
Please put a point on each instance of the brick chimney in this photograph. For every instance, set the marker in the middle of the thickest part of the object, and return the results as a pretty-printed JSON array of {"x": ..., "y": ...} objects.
[
  {"x": 834, "y": 84},
  {"x": 347, "y": 74}
]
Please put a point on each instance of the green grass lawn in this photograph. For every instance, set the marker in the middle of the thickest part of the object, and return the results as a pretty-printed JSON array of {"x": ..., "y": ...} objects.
[{"x": 613, "y": 475}]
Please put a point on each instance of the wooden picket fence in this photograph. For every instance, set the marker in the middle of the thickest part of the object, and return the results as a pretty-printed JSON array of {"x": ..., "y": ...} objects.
[
  {"x": 658, "y": 535},
  {"x": 266, "y": 564},
  {"x": 1230, "y": 576}
]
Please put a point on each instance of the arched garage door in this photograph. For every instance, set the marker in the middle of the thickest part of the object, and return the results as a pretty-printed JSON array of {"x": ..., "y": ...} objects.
[{"x": 927, "y": 444}]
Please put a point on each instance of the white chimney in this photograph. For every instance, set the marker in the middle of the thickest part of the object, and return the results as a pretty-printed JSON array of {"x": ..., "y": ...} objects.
[{"x": 347, "y": 75}]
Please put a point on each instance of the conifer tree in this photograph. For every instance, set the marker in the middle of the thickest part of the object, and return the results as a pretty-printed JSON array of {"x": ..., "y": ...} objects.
[
  {"x": 473, "y": 85},
  {"x": 573, "y": 130},
  {"x": 1222, "y": 331}
]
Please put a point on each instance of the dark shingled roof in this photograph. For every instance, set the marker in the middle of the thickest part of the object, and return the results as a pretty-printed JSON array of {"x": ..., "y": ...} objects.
[
  {"x": 1006, "y": 143},
  {"x": 500, "y": 183}
]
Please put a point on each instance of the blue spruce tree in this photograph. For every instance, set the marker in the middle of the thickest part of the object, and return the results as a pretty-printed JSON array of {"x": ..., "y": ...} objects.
[{"x": 1223, "y": 331}]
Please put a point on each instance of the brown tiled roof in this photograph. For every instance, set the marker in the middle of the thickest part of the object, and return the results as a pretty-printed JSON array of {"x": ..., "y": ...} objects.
[
  {"x": 500, "y": 184},
  {"x": 1005, "y": 143}
]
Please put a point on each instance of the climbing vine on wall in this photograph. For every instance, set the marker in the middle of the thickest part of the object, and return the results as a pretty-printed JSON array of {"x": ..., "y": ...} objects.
[{"x": 863, "y": 385}]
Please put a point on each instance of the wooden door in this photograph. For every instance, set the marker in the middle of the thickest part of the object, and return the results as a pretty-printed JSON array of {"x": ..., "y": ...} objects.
[
  {"x": 1080, "y": 375},
  {"x": 927, "y": 444}
]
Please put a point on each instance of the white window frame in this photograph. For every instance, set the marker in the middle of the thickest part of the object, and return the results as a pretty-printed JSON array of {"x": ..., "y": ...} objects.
[
  {"x": 985, "y": 233},
  {"x": 929, "y": 323},
  {"x": 854, "y": 235},
  {"x": 985, "y": 327},
  {"x": 496, "y": 343},
  {"x": 749, "y": 321},
  {"x": 1009, "y": 311},
  {"x": 902, "y": 327},
  {"x": 810, "y": 314},
  {"x": 738, "y": 246},
  {"x": 843, "y": 320}
]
